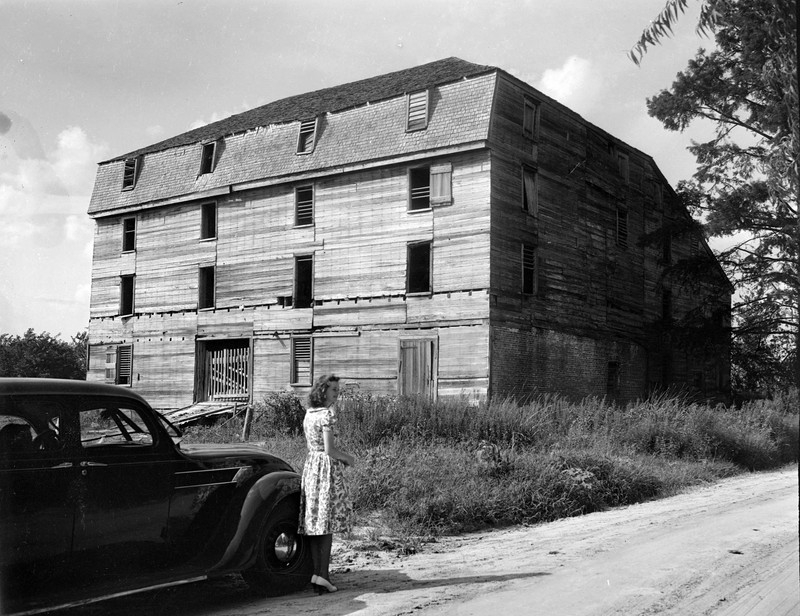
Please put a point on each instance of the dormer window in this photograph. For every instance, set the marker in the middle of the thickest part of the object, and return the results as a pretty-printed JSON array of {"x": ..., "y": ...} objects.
[
  {"x": 130, "y": 173},
  {"x": 307, "y": 136},
  {"x": 530, "y": 119},
  {"x": 417, "y": 111},
  {"x": 208, "y": 158}
]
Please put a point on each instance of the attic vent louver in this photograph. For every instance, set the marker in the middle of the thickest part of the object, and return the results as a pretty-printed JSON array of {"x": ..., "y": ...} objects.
[
  {"x": 417, "y": 117},
  {"x": 307, "y": 136}
]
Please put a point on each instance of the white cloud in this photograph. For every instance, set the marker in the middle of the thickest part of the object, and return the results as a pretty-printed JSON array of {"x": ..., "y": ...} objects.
[
  {"x": 44, "y": 261},
  {"x": 576, "y": 84}
]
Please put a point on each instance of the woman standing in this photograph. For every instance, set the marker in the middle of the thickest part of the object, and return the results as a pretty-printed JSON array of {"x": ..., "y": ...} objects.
[{"x": 325, "y": 505}]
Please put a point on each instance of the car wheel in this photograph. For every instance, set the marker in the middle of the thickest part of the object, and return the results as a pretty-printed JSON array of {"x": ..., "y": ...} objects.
[{"x": 283, "y": 563}]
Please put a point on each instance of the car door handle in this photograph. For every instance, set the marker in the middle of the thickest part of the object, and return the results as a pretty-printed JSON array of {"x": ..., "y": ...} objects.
[
  {"x": 89, "y": 463},
  {"x": 63, "y": 465}
]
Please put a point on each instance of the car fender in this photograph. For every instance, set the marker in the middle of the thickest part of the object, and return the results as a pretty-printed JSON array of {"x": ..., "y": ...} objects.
[{"x": 263, "y": 496}]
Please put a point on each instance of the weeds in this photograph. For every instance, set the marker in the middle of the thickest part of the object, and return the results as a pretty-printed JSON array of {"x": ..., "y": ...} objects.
[{"x": 456, "y": 465}]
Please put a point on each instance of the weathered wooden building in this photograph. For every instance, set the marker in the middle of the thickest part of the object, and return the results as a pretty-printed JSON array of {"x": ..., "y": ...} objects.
[{"x": 445, "y": 229}]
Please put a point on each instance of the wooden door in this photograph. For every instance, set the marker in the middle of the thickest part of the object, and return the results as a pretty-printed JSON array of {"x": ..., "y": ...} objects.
[{"x": 417, "y": 373}]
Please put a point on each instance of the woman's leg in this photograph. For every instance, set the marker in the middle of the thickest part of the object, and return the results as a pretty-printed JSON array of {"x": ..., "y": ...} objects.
[
  {"x": 325, "y": 543},
  {"x": 316, "y": 557}
]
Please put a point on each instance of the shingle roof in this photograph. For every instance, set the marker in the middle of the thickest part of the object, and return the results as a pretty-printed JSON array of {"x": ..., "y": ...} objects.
[{"x": 337, "y": 98}]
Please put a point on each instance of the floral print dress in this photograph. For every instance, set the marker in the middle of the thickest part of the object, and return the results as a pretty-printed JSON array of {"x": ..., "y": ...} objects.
[{"x": 325, "y": 504}]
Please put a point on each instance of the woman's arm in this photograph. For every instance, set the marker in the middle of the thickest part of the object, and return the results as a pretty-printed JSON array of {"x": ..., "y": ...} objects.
[{"x": 333, "y": 451}]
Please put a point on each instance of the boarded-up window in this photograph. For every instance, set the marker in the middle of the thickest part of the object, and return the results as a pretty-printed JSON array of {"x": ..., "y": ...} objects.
[
  {"x": 530, "y": 119},
  {"x": 128, "y": 234},
  {"x": 303, "y": 281},
  {"x": 529, "y": 273},
  {"x": 307, "y": 136},
  {"x": 417, "y": 116},
  {"x": 622, "y": 227},
  {"x": 303, "y": 205},
  {"x": 127, "y": 286},
  {"x": 206, "y": 282},
  {"x": 208, "y": 221},
  {"x": 124, "y": 365},
  {"x": 301, "y": 360},
  {"x": 419, "y": 268},
  {"x": 208, "y": 157},
  {"x": 441, "y": 182},
  {"x": 530, "y": 191},
  {"x": 130, "y": 173},
  {"x": 419, "y": 188},
  {"x": 623, "y": 166}
]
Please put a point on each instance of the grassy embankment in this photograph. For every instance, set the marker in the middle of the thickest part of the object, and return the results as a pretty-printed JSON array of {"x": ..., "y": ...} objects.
[{"x": 448, "y": 467}]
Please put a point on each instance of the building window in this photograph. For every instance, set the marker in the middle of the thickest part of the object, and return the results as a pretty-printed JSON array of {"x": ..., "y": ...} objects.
[
  {"x": 666, "y": 305},
  {"x": 612, "y": 378},
  {"x": 622, "y": 227},
  {"x": 530, "y": 119},
  {"x": 666, "y": 248},
  {"x": 530, "y": 191},
  {"x": 303, "y": 205},
  {"x": 128, "y": 234},
  {"x": 301, "y": 360},
  {"x": 130, "y": 173},
  {"x": 127, "y": 285},
  {"x": 419, "y": 188},
  {"x": 657, "y": 194},
  {"x": 307, "y": 136},
  {"x": 206, "y": 288},
  {"x": 430, "y": 185},
  {"x": 623, "y": 165},
  {"x": 529, "y": 273},
  {"x": 208, "y": 157},
  {"x": 419, "y": 268},
  {"x": 417, "y": 111},
  {"x": 208, "y": 221},
  {"x": 124, "y": 365},
  {"x": 303, "y": 281}
]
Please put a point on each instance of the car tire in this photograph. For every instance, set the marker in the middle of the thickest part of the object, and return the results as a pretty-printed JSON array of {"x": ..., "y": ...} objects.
[{"x": 283, "y": 563}]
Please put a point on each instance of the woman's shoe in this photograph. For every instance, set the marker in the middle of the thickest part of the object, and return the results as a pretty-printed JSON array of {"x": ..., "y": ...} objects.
[{"x": 324, "y": 585}]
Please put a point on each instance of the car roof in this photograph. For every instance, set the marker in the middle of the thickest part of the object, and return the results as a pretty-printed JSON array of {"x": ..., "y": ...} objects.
[{"x": 40, "y": 386}]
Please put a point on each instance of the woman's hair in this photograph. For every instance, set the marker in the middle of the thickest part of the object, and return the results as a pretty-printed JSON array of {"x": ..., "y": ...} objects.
[{"x": 316, "y": 397}]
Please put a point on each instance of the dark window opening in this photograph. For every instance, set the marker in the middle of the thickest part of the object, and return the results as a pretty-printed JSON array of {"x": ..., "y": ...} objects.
[
  {"x": 206, "y": 287},
  {"x": 208, "y": 223},
  {"x": 306, "y": 137},
  {"x": 304, "y": 205},
  {"x": 303, "y": 281},
  {"x": 419, "y": 179},
  {"x": 528, "y": 270},
  {"x": 130, "y": 173},
  {"x": 612, "y": 378},
  {"x": 126, "y": 292},
  {"x": 207, "y": 158},
  {"x": 419, "y": 268},
  {"x": 128, "y": 234},
  {"x": 417, "y": 117},
  {"x": 624, "y": 167}
]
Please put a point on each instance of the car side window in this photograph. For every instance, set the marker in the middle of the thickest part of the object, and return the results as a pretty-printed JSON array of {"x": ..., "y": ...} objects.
[
  {"x": 114, "y": 425},
  {"x": 16, "y": 437}
]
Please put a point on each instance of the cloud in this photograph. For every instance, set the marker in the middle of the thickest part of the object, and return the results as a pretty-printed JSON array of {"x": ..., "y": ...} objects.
[
  {"x": 45, "y": 256},
  {"x": 576, "y": 84}
]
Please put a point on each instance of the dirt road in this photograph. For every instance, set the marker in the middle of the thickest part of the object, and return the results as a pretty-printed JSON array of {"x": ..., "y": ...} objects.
[{"x": 729, "y": 549}]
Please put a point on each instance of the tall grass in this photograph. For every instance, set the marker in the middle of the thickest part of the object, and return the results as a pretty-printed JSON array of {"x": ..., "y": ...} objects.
[{"x": 455, "y": 465}]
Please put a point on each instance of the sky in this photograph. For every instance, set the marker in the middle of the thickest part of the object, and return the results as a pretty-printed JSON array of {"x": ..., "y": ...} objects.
[{"x": 82, "y": 81}]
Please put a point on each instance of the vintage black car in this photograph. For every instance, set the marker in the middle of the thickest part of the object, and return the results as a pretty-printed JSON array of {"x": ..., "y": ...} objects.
[{"x": 98, "y": 498}]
